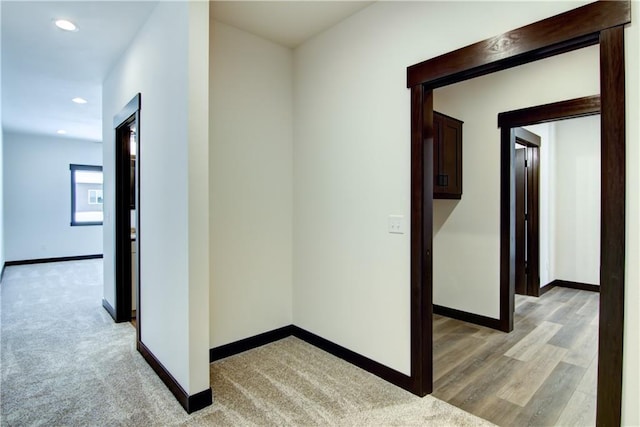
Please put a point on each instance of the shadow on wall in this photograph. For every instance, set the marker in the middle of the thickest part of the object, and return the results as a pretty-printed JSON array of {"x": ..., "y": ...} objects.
[{"x": 442, "y": 209}]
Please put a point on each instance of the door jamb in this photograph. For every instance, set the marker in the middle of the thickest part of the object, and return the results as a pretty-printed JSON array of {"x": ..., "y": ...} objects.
[
  {"x": 123, "y": 268},
  {"x": 532, "y": 143}
]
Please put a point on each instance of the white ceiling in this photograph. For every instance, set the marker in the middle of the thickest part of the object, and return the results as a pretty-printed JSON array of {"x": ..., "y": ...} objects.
[{"x": 43, "y": 67}]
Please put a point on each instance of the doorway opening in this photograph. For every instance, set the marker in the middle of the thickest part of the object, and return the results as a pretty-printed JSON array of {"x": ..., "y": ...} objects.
[
  {"x": 127, "y": 214},
  {"x": 527, "y": 236},
  {"x": 599, "y": 23},
  {"x": 511, "y": 133}
]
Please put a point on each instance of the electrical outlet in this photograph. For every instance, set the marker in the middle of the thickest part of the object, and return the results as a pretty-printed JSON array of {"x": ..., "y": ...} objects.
[{"x": 396, "y": 224}]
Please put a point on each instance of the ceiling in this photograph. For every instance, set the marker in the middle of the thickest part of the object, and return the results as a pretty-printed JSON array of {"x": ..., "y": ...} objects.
[
  {"x": 43, "y": 67},
  {"x": 288, "y": 23}
]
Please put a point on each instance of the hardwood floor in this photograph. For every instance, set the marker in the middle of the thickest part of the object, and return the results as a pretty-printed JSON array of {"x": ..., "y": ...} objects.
[{"x": 541, "y": 374}]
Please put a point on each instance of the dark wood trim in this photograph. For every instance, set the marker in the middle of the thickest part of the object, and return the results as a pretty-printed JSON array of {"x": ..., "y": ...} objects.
[
  {"x": 507, "y": 229},
  {"x": 525, "y": 137},
  {"x": 190, "y": 403},
  {"x": 421, "y": 240},
  {"x": 612, "y": 233},
  {"x": 123, "y": 267},
  {"x": 562, "y": 110},
  {"x": 532, "y": 142},
  {"x": 562, "y": 33},
  {"x": 546, "y": 288},
  {"x": 571, "y": 109},
  {"x": 465, "y": 316},
  {"x": 533, "y": 224},
  {"x": 571, "y": 285},
  {"x": 250, "y": 343},
  {"x": 109, "y": 308},
  {"x": 57, "y": 259},
  {"x": 397, "y": 378},
  {"x": 128, "y": 110},
  {"x": 199, "y": 400},
  {"x": 600, "y": 22},
  {"x": 129, "y": 114}
]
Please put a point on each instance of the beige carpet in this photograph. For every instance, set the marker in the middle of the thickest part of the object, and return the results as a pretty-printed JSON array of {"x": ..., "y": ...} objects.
[{"x": 64, "y": 362}]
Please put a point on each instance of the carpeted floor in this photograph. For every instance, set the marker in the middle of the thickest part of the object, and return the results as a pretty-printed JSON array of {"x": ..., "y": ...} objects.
[{"x": 64, "y": 362}]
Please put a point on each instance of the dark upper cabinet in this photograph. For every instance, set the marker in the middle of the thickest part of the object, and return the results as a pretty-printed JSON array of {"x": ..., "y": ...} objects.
[{"x": 447, "y": 157}]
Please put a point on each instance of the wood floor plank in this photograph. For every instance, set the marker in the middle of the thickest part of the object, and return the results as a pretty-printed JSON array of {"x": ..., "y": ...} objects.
[
  {"x": 473, "y": 368},
  {"x": 572, "y": 332},
  {"x": 564, "y": 314},
  {"x": 525, "y": 383},
  {"x": 448, "y": 326},
  {"x": 591, "y": 306},
  {"x": 580, "y": 411},
  {"x": 584, "y": 348},
  {"x": 498, "y": 411},
  {"x": 451, "y": 356},
  {"x": 541, "y": 312},
  {"x": 473, "y": 395},
  {"x": 477, "y": 376},
  {"x": 559, "y": 294},
  {"x": 530, "y": 346},
  {"x": 453, "y": 337},
  {"x": 589, "y": 382},
  {"x": 552, "y": 397}
]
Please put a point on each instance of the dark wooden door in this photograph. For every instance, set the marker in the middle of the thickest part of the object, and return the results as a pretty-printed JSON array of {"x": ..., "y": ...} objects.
[
  {"x": 521, "y": 228},
  {"x": 527, "y": 164}
]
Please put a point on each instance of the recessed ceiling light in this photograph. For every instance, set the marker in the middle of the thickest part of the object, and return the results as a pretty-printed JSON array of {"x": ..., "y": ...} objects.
[
  {"x": 66, "y": 25},
  {"x": 62, "y": 132},
  {"x": 79, "y": 100}
]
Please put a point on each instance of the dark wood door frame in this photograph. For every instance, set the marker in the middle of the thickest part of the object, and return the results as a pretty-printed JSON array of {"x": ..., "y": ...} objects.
[
  {"x": 532, "y": 143},
  {"x": 122, "y": 121},
  {"x": 509, "y": 123},
  {"x": 600, "y": 23}
]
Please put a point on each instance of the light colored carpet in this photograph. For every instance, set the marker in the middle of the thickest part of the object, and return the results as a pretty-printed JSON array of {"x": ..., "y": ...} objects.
[{"x": 64, "y": 362}]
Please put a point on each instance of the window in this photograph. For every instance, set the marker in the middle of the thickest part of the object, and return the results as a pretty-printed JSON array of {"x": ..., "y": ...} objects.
[{"x": 86, "y": 195}]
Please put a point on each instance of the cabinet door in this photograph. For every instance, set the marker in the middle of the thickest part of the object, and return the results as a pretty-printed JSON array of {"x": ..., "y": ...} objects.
[{"x": 447, "y": 157}]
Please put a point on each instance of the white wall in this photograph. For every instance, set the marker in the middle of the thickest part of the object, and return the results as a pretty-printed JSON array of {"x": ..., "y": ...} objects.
[
  {"x": 251, "y": 185},
  {"x": 570, "y": 200},
  {"x": 577, "y": 200},
  {"x": 167, "y": 63},
  {"x": 2, "y": 255},
  {"x": 37, "y": 197},
  {"x": 351, "y": 170}
]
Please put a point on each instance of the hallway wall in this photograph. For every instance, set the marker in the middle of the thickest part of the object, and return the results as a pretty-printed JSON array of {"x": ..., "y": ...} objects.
[
  {"x": 2, "y": 254},
  {"x": 577, "y": 202},
  {"x": 251, "y": 158},
  {"x": 37, "y": 197},
  {"x": 167, "y": 63},
  {"x": 351, "y": 171}
]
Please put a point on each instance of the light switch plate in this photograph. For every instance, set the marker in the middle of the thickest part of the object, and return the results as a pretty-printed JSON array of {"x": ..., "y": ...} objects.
[{"x": 396, "y": 224}]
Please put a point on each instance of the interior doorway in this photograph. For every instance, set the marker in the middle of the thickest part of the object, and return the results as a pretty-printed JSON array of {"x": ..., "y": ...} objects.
[
  {"x": 508, "y": 123},
  {"x": 127, "y": 214},
  {"x": 527, "y": 235},
  {"x": 528, "y": 44}
]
